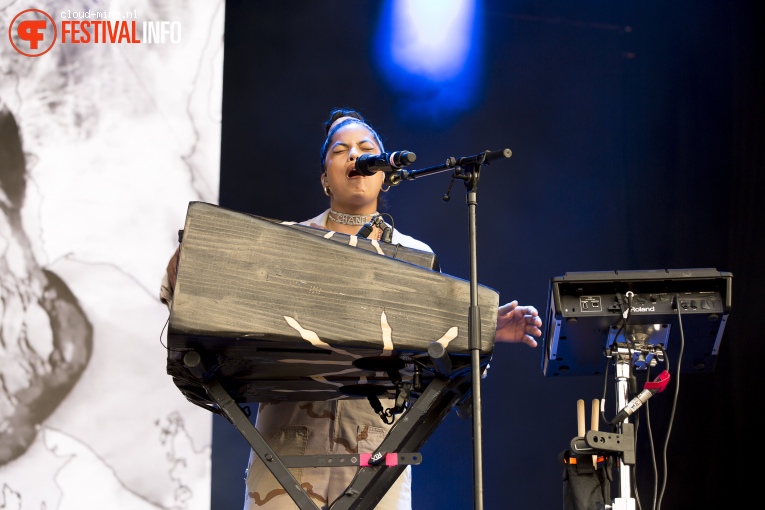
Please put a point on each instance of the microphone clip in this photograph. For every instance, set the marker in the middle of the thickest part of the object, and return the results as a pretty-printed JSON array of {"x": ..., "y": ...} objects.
[{"x": 376, "y": 221}]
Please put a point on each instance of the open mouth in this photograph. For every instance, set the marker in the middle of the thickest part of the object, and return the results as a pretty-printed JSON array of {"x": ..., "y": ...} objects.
[{"x": 352, "y": 172}]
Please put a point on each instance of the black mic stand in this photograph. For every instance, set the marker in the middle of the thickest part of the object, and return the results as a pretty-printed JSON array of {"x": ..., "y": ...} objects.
[{"x": 469, "y": 170}]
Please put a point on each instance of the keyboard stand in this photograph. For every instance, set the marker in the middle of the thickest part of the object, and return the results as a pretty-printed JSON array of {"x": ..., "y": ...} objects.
[{"x": 377, "y": 471}]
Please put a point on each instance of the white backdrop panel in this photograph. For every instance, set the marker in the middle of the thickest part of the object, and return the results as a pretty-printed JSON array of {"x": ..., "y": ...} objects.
[{"x": 115, "y": 139}]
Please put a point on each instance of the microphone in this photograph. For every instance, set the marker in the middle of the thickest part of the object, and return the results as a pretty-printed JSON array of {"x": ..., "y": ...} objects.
[
  {"x": 376, "y": 221},
  {"x": 368, "y": 164},
  {"x": 365, "y": 229},
  {"x": 649, "y": 390}
]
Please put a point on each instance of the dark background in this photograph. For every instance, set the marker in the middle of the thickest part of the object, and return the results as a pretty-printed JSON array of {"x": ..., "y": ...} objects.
[{"x": 636, "y": 130}]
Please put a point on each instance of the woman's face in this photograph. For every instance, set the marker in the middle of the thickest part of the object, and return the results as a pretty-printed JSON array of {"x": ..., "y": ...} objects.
[{"x": 351, "y": 191}]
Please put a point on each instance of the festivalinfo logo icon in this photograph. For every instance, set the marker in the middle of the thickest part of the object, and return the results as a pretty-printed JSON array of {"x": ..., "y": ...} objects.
[{"x": 34, "y": 32}]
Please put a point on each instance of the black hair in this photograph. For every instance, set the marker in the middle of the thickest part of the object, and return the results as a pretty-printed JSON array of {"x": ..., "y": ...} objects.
[
  {"x": 330, "y": 128},
  {"x": 338, "y": 113}
]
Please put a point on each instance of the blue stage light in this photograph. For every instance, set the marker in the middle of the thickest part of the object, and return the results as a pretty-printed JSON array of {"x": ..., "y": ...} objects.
[{"x": 428, "y": 53}]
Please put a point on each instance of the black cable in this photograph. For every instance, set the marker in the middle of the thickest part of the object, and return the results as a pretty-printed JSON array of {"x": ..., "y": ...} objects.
[
  {"x": 674, "y": 401},
  {"x": 163, "y": 330},
  {"x": 664, "y": 454},
  {"x": 387, "y": 234},
  {"x": 634, "y": 468},
  {"x": 389, "y": 217},
  {"x": 650, "y": 439},
  {"x": 627, "y": 340}
]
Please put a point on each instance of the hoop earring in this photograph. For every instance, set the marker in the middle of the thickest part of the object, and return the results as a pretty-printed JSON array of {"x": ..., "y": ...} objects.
[
  {"x": 327, "y": 191},
  {"x": 384, "y": 189}
]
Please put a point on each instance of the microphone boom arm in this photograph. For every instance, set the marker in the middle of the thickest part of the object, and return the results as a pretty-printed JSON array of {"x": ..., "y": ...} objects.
[{"x": 482, "y": 158}]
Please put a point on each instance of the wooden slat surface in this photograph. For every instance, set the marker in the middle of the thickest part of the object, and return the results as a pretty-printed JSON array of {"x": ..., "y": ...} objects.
[
  {"x": 279, "y": 313},
  {"x": 240, "y": 276}
]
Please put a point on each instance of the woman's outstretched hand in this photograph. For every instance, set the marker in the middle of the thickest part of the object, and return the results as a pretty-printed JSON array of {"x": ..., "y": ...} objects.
[{"x": 518, "y": 324}]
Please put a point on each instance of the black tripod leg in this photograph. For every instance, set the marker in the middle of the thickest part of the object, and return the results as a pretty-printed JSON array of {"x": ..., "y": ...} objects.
[
  {"x": 408, "y": 435},
  {"x": 236, "y": 416}
]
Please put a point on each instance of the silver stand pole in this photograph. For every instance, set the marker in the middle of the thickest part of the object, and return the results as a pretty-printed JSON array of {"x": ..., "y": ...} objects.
[{"x": 624, "y": 501}]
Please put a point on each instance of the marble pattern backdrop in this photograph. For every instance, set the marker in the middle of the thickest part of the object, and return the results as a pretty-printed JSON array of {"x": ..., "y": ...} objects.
[{"x": 102, "y": 147}]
